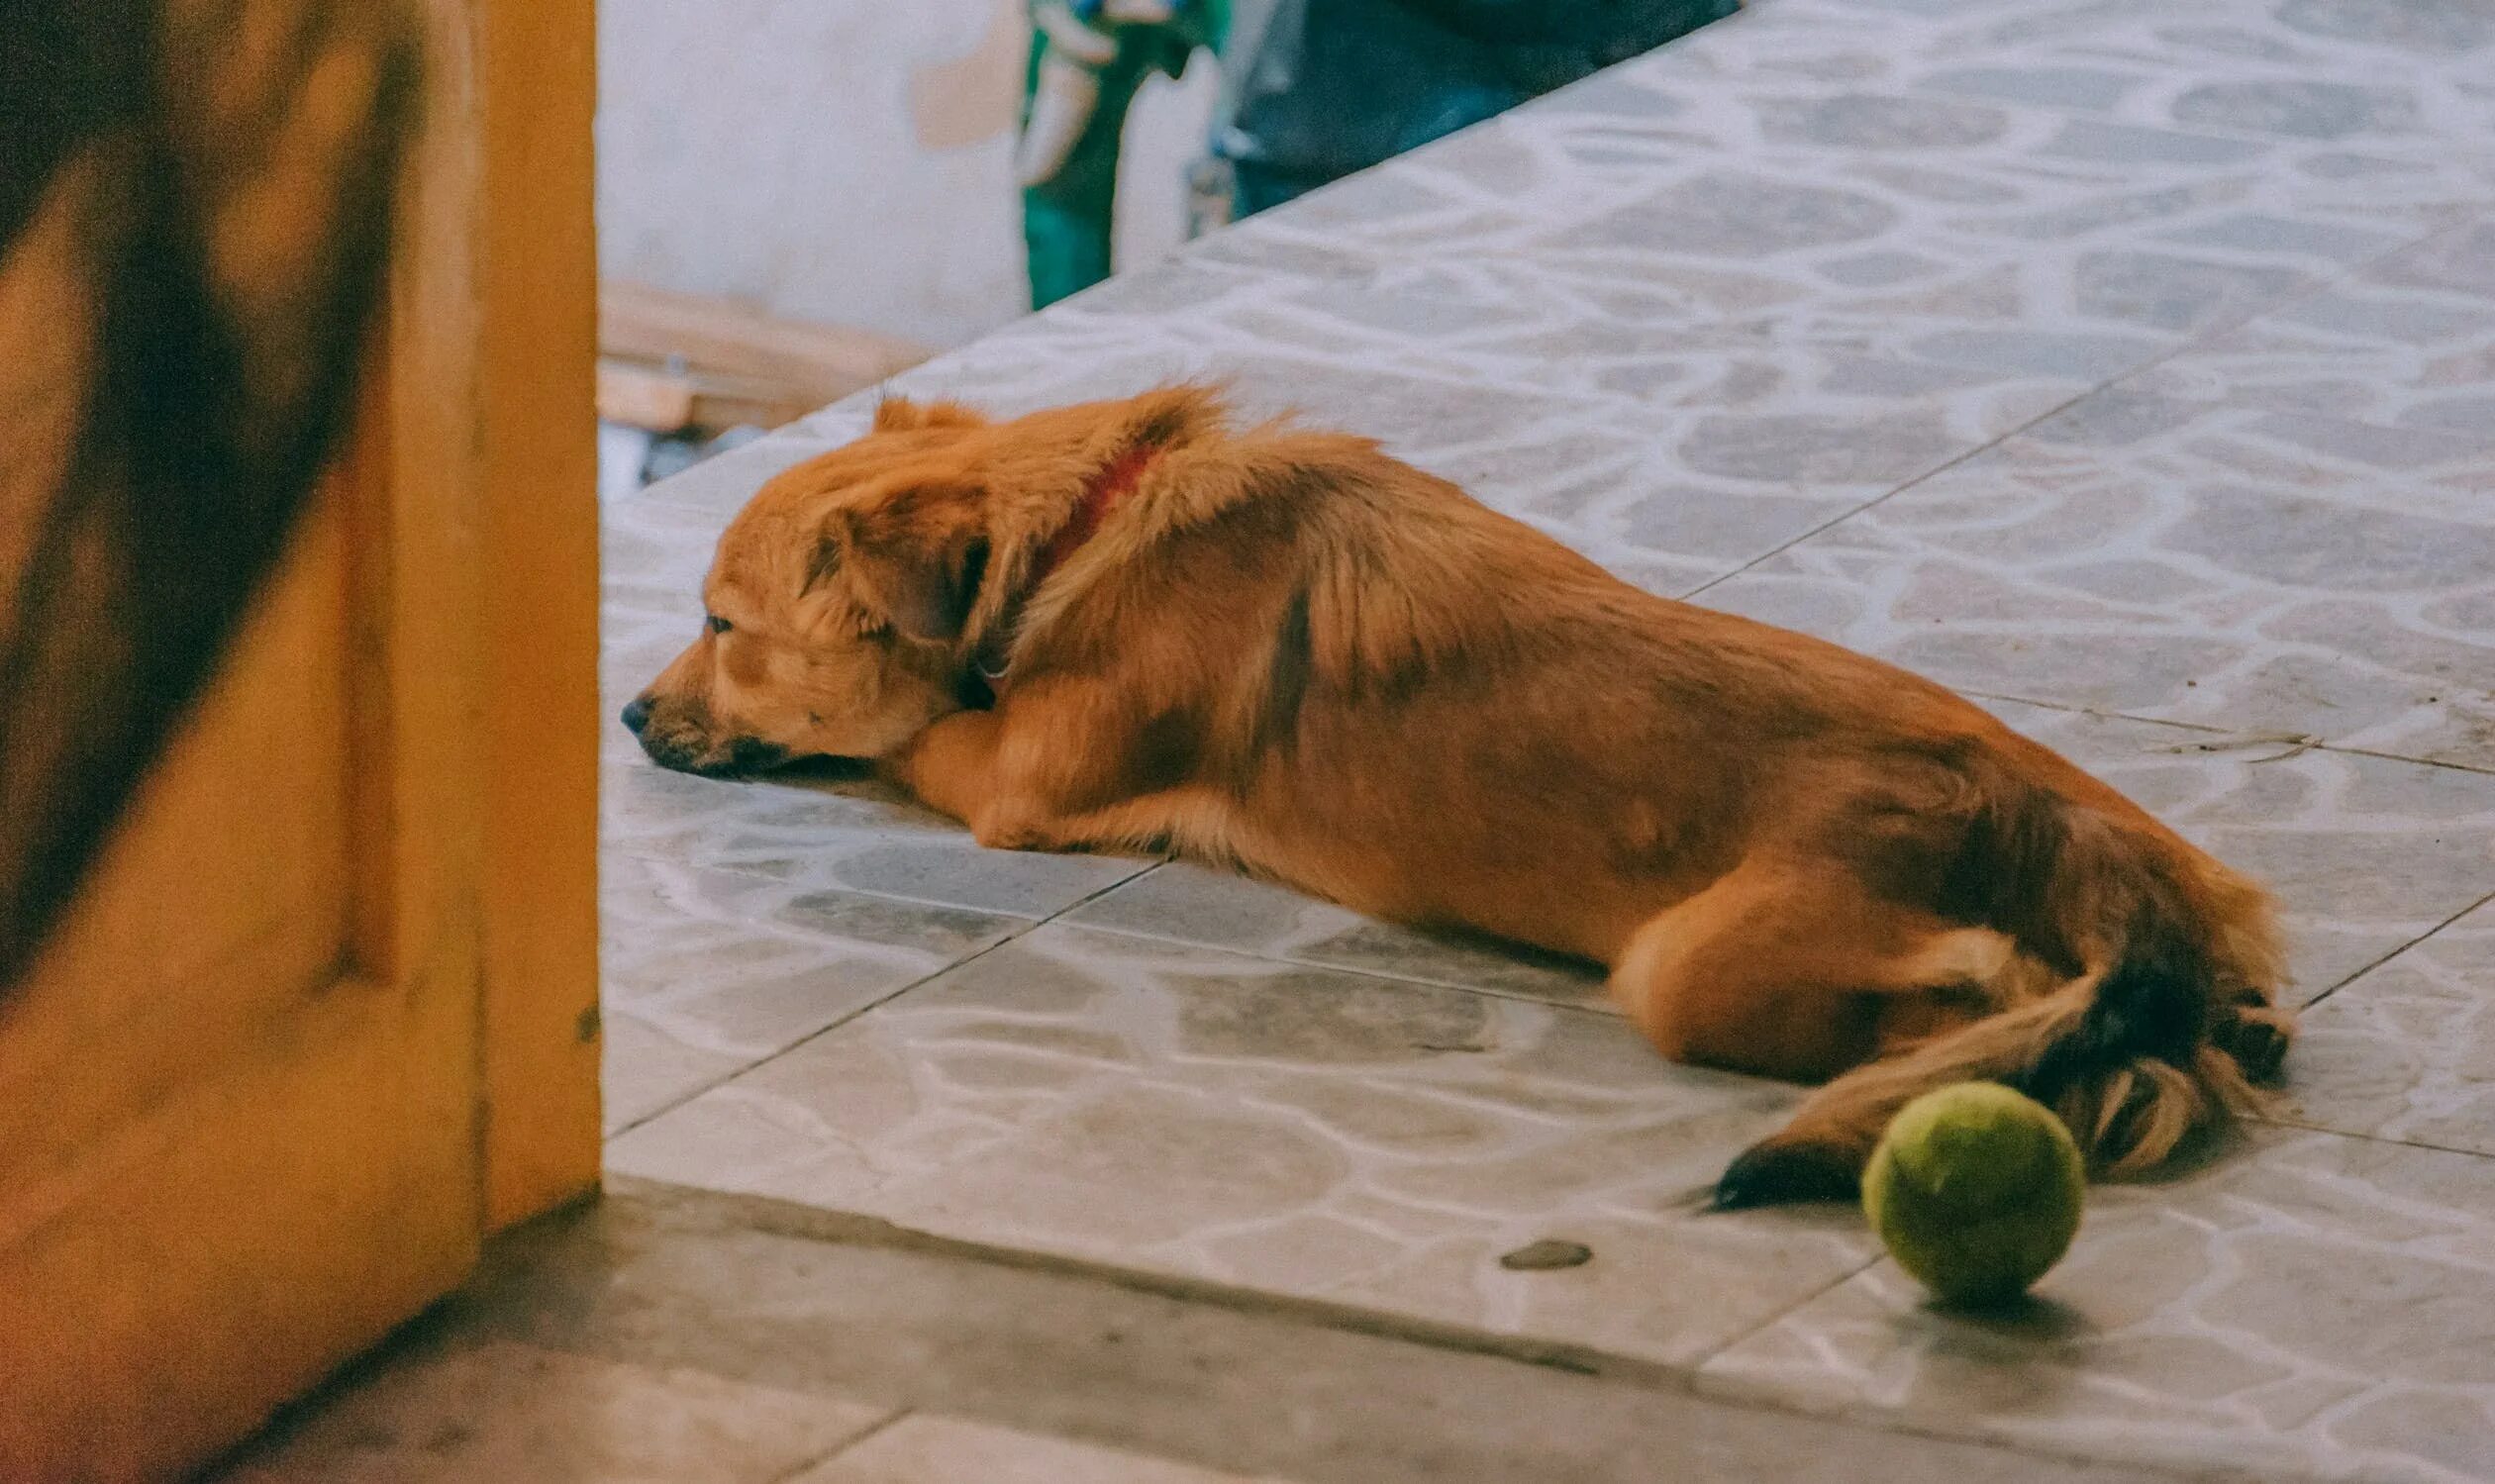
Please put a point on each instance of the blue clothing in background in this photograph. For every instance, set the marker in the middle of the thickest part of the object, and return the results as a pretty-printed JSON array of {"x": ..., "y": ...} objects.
[{"x": 1336, "y": 86}]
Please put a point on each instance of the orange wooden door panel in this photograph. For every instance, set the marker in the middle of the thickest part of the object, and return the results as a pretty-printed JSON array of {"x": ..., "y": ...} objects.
[
  {"x": 323, "y": 1016},
  {"x": 221, "y": 905}
]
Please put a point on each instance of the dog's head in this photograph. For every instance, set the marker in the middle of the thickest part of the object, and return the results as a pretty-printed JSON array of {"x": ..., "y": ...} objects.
[{"x": 834, "y": 605}]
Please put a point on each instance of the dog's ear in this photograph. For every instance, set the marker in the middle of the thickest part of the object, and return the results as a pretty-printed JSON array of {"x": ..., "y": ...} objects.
[
  {"x": 900, "y": 414},
  {"x": 918, "y": 564}
]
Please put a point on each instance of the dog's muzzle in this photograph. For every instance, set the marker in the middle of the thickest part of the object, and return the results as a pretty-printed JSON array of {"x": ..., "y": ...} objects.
[{"x": 688, "y": 750}]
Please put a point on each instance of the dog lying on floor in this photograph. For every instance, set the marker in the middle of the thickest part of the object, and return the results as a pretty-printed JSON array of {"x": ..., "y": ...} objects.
[{"x": 1128, "y": 623}]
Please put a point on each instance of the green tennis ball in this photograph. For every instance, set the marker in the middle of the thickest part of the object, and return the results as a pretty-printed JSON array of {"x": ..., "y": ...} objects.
[{"x": 1976, "y": 1191}]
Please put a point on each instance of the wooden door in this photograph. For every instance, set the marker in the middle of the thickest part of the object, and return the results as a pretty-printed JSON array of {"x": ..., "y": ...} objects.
[{"x": 323, "y": 1014}]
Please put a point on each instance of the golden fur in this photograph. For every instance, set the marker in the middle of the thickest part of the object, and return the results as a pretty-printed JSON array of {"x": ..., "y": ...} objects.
[{"x": 1288, "y": 651}]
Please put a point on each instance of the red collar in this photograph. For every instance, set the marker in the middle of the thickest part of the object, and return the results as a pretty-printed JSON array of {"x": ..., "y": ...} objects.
[{"x": 1102, "y": 495}]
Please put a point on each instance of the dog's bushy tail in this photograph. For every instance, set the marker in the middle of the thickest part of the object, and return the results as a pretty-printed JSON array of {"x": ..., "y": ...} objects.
[
  {"x": 2147, "y": 1009},
  {"x": 2170, "y": 1023}
]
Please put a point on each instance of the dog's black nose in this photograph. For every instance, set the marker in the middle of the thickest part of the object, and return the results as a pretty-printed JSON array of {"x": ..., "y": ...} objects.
[{"x": 635, "y": 716}]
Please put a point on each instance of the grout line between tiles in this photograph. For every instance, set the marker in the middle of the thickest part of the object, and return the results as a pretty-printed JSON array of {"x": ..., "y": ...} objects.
[
  {"x": 1780, "y": 1316},
  {"x": 2486, "y": 771},
  {"x": 2364, "y": 1137},
  {"x": 871, "y": 1430},
  {"x": 657, "y": 856},
  {"x": 2072, "y": 709},
  {"x": 1028, "y": 926},
  {"x": 1934, "y": 471},
  {"x": 2369, "y": 966},
  {"x": 2321, "y": 284}
]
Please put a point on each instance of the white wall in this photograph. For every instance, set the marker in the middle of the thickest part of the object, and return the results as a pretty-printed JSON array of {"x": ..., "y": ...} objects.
[{"x": 844, "y": 160}]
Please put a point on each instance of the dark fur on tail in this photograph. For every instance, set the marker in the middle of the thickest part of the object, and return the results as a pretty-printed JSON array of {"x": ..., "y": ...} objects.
[
  {"x": 2138, "y": 1007},
  {"x": 2180, "y": 959},
  {"x": 2152, "y": 1057}
]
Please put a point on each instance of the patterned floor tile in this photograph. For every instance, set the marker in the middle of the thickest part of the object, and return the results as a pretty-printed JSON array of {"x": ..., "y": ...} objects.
[
  {"x": 2352, "y": 72},
  {"x": 2082, "y": 177},
  {"x": 1300, "y": 1131},
  {"x": 2318, "y": 1304},
  {"x": 509, "y": 1412},
  {"x": 706, "y": 972},
  {"x": 2407, "y": 1051},
  {"x": 2385, "y": 376},
  {"x": 1194, "y": 904},
  {"x": 826, "y": 833},
  {"x": 2366, "y": 854},
  {"x": 1715, "y": 200},
  {"x": 2288, "y": 529}
]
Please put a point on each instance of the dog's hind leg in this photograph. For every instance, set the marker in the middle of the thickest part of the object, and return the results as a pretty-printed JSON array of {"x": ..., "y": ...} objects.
[{"x": 1794, "y": 969}]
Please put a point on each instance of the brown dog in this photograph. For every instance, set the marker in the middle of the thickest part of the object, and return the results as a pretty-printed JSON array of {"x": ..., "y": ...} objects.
[{"x": 1126, "y": 624}]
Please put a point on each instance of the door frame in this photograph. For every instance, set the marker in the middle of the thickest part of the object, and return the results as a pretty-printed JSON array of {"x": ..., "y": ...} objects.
[{"x": 491, "y": 369}]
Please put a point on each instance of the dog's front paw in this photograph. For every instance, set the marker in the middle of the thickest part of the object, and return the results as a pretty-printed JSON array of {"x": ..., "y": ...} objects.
[
  {"x": 1783, "y": 1175},
  {"x": 1003, "y": 832}
]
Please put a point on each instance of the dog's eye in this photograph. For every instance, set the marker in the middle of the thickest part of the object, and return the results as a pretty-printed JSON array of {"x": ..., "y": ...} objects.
[{"x": 716, "y": 624}]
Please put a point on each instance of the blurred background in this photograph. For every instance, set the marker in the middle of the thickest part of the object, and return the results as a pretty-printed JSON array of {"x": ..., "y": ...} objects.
[
  {"x": 849, "y": 161},
  {"x": 797, "y": 198}
]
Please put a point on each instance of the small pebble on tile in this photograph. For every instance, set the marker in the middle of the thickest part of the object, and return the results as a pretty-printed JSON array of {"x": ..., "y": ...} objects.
[{"x": 1546, "y": 1255}]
